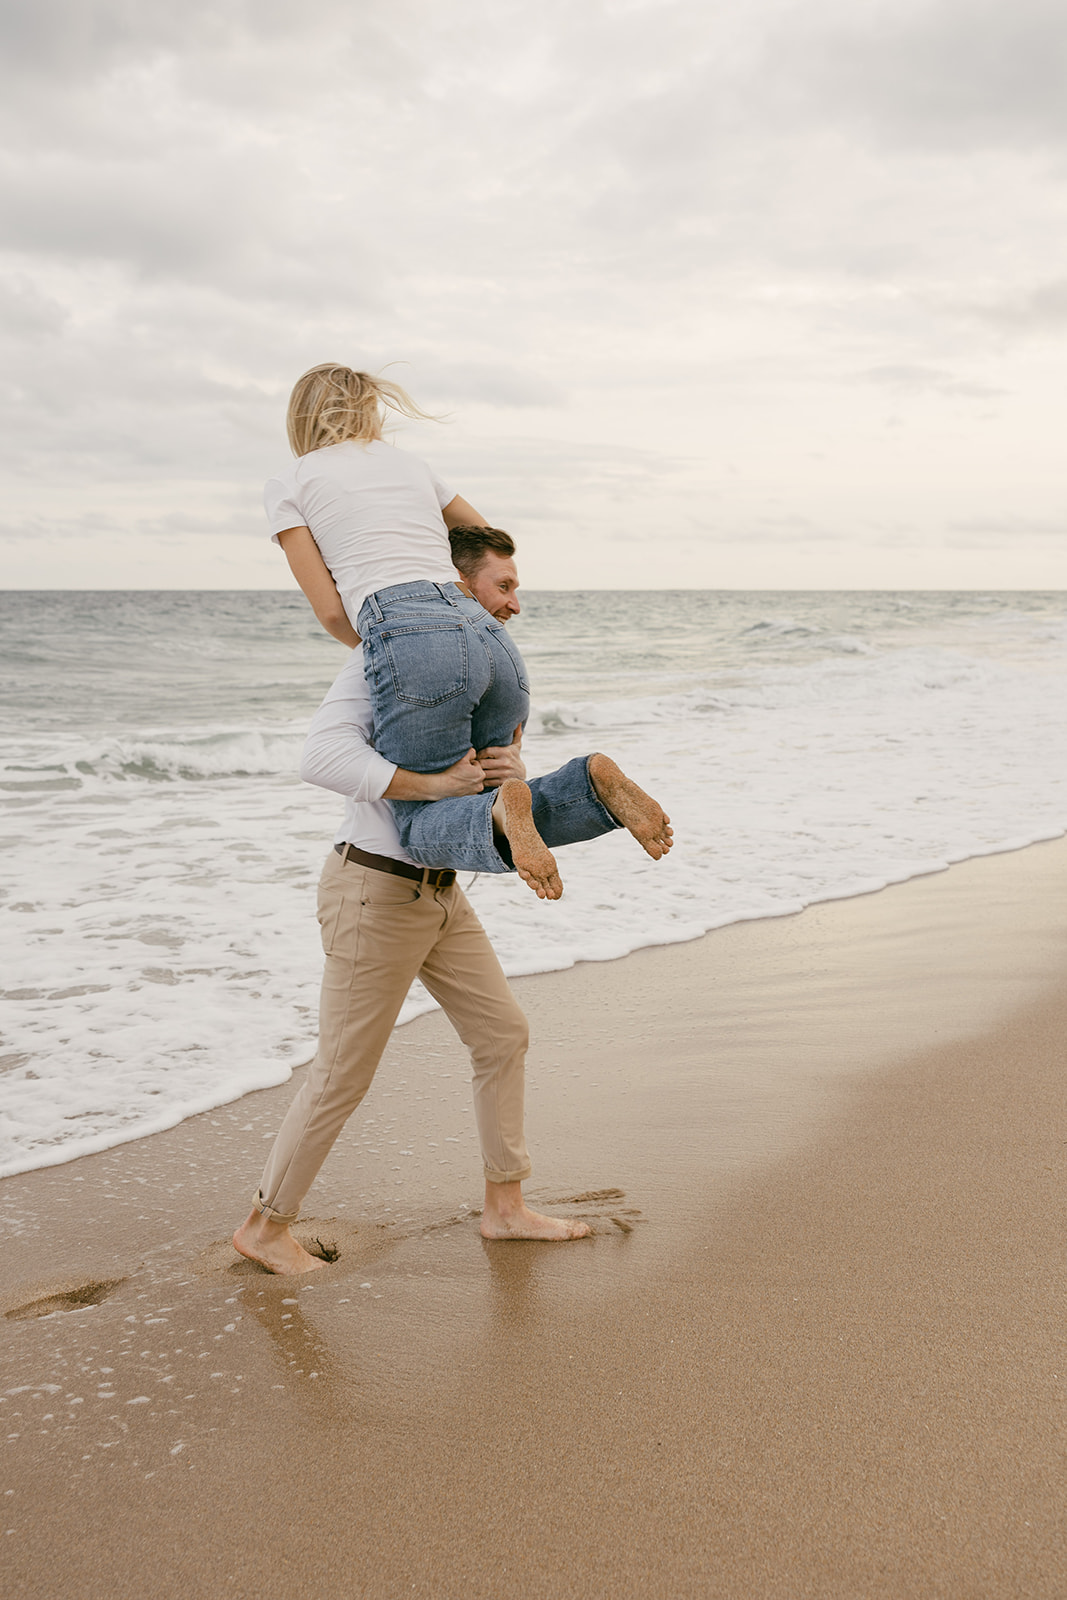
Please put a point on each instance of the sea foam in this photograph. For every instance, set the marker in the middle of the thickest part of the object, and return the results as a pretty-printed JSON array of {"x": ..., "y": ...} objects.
[{"x": 159, "y": 947}]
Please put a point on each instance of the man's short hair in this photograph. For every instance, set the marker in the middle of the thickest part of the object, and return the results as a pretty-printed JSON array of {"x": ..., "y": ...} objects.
[{"x": 470, "y": 546}]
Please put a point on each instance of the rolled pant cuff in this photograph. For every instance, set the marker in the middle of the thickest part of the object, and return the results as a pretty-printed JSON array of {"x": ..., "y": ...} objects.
[
  {"x": 272, "y": 1212},
  {"x": 519, "y": 1175}
]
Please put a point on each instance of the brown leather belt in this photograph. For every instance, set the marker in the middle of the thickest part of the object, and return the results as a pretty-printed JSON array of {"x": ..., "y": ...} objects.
[{"x": 436, "y": 877}]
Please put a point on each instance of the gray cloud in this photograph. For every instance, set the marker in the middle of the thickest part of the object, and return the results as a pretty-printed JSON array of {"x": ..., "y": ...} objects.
[
  {"x": 1041, "y": 309},
  {"x": 551, "y": 471},
  {"x": 905, "y": 379},
  {"x": 484, "y": 383},
  {"x": 87, "y": 40},
  {"x": 65, "y": 39},
  {"x": 941, "y": 72},
  {"x": 655, "y": 232},
  {"x": 980, "y": 532}
]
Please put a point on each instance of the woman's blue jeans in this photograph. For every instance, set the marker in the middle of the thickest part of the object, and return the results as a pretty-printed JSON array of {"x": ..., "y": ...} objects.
[{"x": 443, "y": 679}]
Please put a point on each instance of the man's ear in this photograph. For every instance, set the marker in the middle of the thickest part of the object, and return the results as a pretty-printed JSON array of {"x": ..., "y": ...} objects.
[{"x": 517, "y": 738}]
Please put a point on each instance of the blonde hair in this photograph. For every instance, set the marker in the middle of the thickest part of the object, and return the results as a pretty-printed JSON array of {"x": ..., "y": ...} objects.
[{"x": 331, "y": 403}]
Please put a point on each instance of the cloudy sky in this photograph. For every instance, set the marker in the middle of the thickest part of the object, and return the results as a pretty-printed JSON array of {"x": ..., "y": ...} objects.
[{"x": 750, "y": 294}]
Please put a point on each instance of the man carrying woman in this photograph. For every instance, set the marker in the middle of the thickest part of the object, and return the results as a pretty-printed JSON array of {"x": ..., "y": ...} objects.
[
  {"x": 422, "y": 733},
  {"x": 385, "y": 922},
  {"x": 364, "y": 528}
]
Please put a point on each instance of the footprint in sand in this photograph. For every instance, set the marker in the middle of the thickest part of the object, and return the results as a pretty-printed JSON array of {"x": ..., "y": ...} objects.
[
  {"x": 335, "y": 1240},
  {"x": 599, "y": 1205},
  {"x": 86, "y": 1294}
]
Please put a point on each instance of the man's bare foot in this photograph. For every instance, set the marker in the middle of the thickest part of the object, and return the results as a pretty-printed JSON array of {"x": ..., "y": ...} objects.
[
  {"x": 534, "y": 861},
  {"x": 644, "y": 817},
  {"x": 273, "y": 1246},
  {"x": 527, "y": 1224},
  {"x": 507, "y": 1216}
]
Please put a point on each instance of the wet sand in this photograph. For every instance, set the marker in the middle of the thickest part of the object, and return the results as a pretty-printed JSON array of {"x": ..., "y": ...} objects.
[{"x": 814, "y": 1348}]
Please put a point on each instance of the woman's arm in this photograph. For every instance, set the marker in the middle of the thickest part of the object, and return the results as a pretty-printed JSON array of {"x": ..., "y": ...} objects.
[
  {"x": 313, "y": 576},
  {"x": 459, "y": 513}
]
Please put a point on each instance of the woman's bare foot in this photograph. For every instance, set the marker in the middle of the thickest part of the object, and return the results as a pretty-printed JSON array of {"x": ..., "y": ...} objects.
[
  {"x": 273, "y": 1246},
  {"x": 507, "y": 1216},
  {"x": 644, "y": 817},
  {"x": 534, "y": 861}
]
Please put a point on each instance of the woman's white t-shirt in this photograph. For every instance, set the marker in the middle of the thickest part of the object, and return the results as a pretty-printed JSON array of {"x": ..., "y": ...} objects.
[{"x": 375, "y": 513}]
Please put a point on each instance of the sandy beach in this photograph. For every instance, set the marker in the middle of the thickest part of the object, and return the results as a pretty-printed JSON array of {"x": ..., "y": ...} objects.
[{"x": 812, "y": 1349}]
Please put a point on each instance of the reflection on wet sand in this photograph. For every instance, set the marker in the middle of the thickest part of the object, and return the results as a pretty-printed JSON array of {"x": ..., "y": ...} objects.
[
  {"x": 300, "y": 1349},
  {"x": 826, "y": 1364}
]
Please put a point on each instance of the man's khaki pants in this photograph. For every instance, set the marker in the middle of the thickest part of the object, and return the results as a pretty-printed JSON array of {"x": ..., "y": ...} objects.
[{"x": 380, "y": 932}]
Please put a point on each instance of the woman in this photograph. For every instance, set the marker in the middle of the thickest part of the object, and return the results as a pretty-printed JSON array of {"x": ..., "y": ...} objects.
[{"x": 364, "y": 527}]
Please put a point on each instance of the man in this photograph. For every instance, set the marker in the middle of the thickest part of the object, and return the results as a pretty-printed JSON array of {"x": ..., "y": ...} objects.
[{"x": 385, "y": 922}]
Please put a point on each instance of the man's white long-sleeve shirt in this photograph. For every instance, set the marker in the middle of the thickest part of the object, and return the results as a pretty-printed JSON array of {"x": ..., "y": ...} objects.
[{"x": 338, "y": 755}]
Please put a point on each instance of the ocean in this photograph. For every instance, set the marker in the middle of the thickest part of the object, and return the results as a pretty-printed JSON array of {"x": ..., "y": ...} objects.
[{"x": 159, "y": 948}]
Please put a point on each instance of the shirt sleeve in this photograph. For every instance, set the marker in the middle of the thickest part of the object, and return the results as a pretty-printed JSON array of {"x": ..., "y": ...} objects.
[
  {"x": 441, "y": 489},
  {"x": 338, "y": 754},
  {"x": 279, "y": 502}
]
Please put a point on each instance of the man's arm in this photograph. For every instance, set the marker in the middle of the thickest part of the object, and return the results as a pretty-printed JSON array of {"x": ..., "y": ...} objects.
[
  {"x": 466, "y": 777},
  {"x": 500, "y": 762},
  {"x": 338, "y": 753}
]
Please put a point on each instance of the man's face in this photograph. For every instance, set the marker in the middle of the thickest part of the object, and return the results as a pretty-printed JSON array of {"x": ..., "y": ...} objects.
[{"x": 495, "y": 586}]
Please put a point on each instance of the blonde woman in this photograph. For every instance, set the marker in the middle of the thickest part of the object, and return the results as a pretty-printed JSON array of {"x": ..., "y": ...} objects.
[{"x": 364, "y": 527}]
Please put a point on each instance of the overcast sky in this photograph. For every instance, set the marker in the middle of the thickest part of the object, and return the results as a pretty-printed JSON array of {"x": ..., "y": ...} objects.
[{"x": 752, "y": 294}]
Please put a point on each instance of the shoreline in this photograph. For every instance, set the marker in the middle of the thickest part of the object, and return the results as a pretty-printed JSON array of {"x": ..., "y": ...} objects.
[
  {"x": 168, "y": 1120},
  {"x": 812, "y": 1349}
]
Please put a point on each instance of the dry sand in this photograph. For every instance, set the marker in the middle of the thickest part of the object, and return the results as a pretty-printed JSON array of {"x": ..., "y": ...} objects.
[{"x": 814, "y": 1347}]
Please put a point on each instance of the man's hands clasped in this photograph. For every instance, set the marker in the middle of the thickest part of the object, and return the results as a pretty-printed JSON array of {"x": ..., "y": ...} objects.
[
  {"x": 501, "y": 762},
  {"x": 481, "y": 769}
]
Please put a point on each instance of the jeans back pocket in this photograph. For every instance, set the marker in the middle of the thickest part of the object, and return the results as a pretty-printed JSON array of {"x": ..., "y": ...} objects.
[{"x": 427, "y": 661}]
